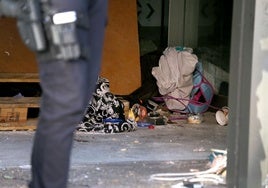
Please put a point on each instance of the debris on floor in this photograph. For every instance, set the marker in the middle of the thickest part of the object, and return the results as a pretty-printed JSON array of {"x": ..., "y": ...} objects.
[
  {"x": 265, "y": 183},
  {"x": 195, "y": 118},
  {"x": 222, "y": 116},
  {"x": 183, "y": 94},
  {"x": 215, "y": 175}
]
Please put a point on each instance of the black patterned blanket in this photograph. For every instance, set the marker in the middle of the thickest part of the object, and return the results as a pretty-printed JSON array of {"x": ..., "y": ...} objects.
[{"x": 105, "y": 112}]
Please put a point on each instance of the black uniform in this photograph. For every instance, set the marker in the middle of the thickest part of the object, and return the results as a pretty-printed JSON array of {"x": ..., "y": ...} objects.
[{"x": 66, "y": 89}]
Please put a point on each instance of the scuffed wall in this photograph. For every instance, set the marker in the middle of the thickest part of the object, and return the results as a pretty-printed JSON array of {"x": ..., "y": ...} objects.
[
  {"x": 121, "y": 50},
  {"x": 14, "y": 56},
  {"x": 121, "y": 63}
]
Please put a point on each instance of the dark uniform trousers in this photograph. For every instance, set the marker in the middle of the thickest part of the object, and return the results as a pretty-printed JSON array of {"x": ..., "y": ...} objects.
[{"x": 66, "y": 89}]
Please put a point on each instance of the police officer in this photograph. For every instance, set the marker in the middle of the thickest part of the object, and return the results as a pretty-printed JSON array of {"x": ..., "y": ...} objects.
[
  {"x": 67, "y": 36},
  {"x": 67, "y": 84}
]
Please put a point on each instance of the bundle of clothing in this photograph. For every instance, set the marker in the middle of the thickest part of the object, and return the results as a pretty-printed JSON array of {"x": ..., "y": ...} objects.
[
  {"x": 105, "y": 112},
  {"x": 181, "y": 82}
]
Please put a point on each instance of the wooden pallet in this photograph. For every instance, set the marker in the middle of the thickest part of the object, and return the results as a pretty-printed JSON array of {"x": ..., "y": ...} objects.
[
  {"x": 14, "y": 112},
  {"x": 29, "y": 125},
  {"x": 19, "y": 77}
]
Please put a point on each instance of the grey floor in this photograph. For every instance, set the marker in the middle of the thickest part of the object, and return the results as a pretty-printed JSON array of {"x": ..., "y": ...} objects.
[{"x": 124, "y": 159}]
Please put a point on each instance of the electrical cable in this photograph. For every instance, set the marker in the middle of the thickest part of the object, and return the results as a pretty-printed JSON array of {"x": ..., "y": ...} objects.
[{"x": 211, "y": 175}]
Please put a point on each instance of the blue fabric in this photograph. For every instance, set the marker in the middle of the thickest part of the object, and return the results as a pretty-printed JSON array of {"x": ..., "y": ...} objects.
[{"x": 200, "y": 84}]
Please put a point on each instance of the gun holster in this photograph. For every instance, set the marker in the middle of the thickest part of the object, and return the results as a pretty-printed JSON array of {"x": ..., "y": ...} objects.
[
  {"x": 29, "y": 21},
  {"x": 50, "y": 35}
]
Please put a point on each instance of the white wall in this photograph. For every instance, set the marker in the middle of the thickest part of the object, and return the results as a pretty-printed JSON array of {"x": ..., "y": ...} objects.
[{"x": 259, "y": 93}]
